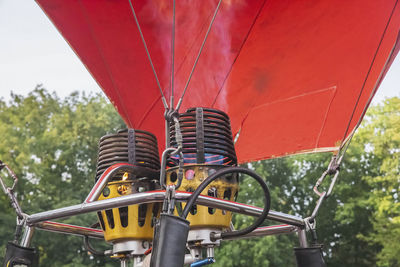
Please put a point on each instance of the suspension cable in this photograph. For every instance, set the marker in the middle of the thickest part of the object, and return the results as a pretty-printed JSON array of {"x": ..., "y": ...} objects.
[
  {"x": 334, "y": 165},
  {"x": 343, "y": 147},
  {"x": 148, "y": 55},
  {"x": 198, "y": 55},
  {"x": 172, "y": 55}
]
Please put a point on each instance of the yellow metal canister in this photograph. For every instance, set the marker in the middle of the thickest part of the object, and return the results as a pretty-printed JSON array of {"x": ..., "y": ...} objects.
[
  {"x": 130, "y": 223},
  {"x": 223, "y": 188}
]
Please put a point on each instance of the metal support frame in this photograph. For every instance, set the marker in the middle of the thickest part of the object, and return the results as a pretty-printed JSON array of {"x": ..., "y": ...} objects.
[
  {"x": 70, "y": 229},
  {"x": 9, "y": 191},
  {"x": 104, "y": 179},
  {"x": 292, "y": 224},
  {"x": 97, "y": 233},
  {"x": 302, "y": 238},
  {"x": 27, "y": 237},
  {"x": 269, "y": 230},
  {"x": 158, "y": 196}
]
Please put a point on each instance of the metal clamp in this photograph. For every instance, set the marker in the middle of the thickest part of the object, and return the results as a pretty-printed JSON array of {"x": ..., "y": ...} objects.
[
  {"x": 171, "y": 151},
  {"x": 12, "y": 174},
  {"x": 9, "y": 191},
  {"x": 333, "y": 169},
  {"x": 172, "y": 116},
  {"x": 169, "y": 201},
  {"x": 310, "y": 223},
  {"x": 179, "y": 141}
]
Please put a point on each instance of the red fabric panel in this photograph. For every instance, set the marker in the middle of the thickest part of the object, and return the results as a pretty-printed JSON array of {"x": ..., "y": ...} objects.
[
  {"x": 291, "y": 75},
  {"x": 312, "y": 116}
]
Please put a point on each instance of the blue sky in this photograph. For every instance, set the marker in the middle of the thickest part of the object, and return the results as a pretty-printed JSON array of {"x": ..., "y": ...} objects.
[{"x": 33, "y": 52}]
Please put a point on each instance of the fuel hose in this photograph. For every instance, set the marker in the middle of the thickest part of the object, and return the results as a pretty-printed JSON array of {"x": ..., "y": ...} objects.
[{"x": 231, "y": 170}]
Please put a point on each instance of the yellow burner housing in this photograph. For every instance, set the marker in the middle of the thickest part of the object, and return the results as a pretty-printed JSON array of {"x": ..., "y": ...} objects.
[
  {"x": 224, "y": 188},
  {"x": 133, "y": 222}
]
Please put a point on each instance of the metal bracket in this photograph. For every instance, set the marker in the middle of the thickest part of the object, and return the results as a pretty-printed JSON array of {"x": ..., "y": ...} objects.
[
  {"x": 333, "y": 169},
  {"x": 200, "y": 155},
  {"x": 12, "y": 174},
  {"x": 169, "y": 201},
  {"x": 9, "y": 191},
  {"x": 171, "y": 151},
  {"x": 172, "y": 115},
  {"x": 131, "y": 146}
]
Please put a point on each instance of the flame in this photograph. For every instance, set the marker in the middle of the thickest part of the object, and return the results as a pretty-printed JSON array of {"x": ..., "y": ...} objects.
[{"x": 125, "y": 176}]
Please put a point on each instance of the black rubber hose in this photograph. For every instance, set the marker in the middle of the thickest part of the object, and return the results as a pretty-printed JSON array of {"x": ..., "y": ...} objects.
[
  {"x": 267, "y": 198},
  {"x": 87, "y": 244},
  {"x": 89, "y": 247}
]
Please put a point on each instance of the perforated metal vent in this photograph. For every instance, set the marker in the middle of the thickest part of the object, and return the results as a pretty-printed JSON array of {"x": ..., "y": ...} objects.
[
  {"x": 207, "y": 137},
  {"x": 136, "y": 147}
]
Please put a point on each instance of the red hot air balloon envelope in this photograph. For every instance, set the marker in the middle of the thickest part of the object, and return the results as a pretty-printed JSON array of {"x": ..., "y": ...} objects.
[{"x": 294, "y": 76}]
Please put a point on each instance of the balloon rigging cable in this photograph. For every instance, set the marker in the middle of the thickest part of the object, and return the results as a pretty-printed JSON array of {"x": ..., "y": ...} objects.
[
  {"x": 148, "y": 55},
  {"x": 173, "y": 56},
  {"x": 345, "y": 143},
  {"x": 198, "y": 55}
]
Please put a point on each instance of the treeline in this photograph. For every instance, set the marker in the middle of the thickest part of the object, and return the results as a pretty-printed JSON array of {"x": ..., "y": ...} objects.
[{"x": 51, "y": 143}]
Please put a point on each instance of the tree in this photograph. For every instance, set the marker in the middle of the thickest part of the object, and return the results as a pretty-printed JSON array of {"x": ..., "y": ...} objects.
[
  {"x": 52, "y": 146},
  {"x": 266, "y": 251},
  {"x": 358, "y": 224},
  {"x": 51, "y": 143},
  {"x": 381, "y": 138}
]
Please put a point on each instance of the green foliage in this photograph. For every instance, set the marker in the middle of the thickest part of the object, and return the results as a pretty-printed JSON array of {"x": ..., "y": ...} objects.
[
  {"x": 382, "y": 135},
  {"x": 358, "y": 224},
  {"x": 51, "y": 143}
]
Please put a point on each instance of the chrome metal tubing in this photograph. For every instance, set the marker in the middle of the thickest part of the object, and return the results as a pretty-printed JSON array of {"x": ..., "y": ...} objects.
[
  {"x": 302, "y": 238},
  {"x": 244, "y": 209},
  {"x": 104, "y": 179},
  {"x": 158, "y": 196},
  {"x": 27, "y": 237},
  {"x": 70, "y": 229},
  {"x": 317, "y": 206},
  {"x": 268, "y": 230},
  {"x": 139, "y": 198},
  {"x": 97, "y": 233},
  {"x": 164, "y": 159}
]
